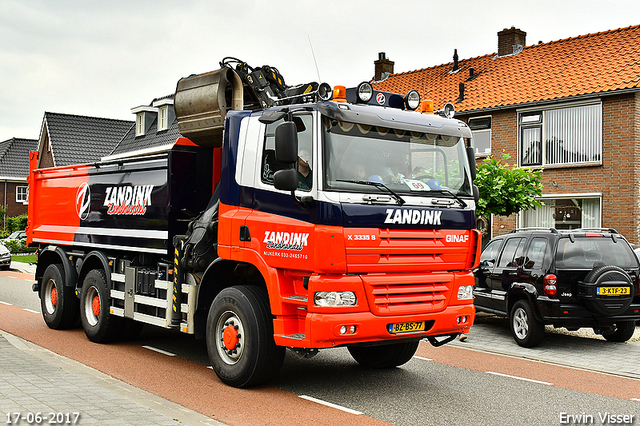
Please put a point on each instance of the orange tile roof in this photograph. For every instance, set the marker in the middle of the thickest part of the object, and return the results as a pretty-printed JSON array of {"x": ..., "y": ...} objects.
[{"x": 594, "y": 63}]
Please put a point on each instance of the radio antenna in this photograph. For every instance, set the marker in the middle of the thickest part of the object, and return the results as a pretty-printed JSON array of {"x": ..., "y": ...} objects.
[{"x": 314, "y": 58}]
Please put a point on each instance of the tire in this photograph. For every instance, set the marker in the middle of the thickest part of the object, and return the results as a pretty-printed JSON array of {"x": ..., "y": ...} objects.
[
  {"x": 607, "y": 305},
  {"x": 98, "y": 324},
  {"x": 58, "y": 302},
  {"x": 253, "y": 358},
  {"x": 384, "y": 356},
  {"x": 527, "y": 331},
  {"x": 624, "y": 331}
]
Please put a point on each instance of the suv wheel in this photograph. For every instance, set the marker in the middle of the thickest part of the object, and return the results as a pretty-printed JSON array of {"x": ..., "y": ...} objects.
[
  {"x": 604, "y": 277},
  {"x": 623, "y": 332},
  {"x": 527, "y": 331}
]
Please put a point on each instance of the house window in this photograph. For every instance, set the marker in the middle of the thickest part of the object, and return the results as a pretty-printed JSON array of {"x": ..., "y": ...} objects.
[
  {"x": 162, "y": 118},
  {"x": 571, "y": 135},
  {"x": 565, "y": 213},
  {"x": 22, "y": 194},
  {"x": 481, "y": 129},
  {"x": 140, "y": 124}
]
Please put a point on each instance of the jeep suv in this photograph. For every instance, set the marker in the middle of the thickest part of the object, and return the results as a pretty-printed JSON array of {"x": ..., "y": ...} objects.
[{"x": 571, "y": 279}]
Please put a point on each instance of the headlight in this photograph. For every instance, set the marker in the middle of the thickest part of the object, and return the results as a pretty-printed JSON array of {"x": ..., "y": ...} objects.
[
  {"x": 465, "y": 292},
  {"x": 365, "y": 92},
  {"x": 335, "y": 298}
]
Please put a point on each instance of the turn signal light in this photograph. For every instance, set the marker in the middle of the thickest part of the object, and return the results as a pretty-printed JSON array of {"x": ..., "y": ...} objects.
[{"x": 550, "y": 285}]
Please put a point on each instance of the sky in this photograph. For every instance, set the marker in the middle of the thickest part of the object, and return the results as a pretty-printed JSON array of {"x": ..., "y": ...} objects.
[{"x": 103, "y": 58}]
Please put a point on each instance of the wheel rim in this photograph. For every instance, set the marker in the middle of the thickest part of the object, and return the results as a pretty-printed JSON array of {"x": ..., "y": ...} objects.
[
  {"x": 230, "y": 337},
  {"x": 91, "y": 305},
  {"x": 50, "y": 296},
  {"x": 520, "y": 323}
]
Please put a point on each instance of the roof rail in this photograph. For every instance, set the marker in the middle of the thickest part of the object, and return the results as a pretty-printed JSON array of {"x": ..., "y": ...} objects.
[
  {"x": 534, "y": 228},
  {"x": 610, "y": 230}
]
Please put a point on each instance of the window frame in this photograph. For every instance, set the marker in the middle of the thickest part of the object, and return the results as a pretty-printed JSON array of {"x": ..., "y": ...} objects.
[
  {"x": 481, "y": 130},
  {"x": 527, "y": 124},
  {"x": 25, "y": 193}
]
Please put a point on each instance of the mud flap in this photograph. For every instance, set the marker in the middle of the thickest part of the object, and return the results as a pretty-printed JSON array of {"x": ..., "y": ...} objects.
[{"x": 447, "y": 338}]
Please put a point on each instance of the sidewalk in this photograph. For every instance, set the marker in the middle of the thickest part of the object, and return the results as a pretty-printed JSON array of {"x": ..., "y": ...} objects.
[{"x": 34, "y": 380}]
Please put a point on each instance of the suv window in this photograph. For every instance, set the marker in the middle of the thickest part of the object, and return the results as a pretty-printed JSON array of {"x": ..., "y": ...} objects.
[
  {"x": 584, "y": 252},
  {"x": 512, "y": 253},
  {"x": 535, "y": 254},
  {"x": 490, "y": 252}
]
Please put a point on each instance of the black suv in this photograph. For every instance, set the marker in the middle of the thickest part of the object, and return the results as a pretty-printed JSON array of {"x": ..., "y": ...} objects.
[{"x": 571, "y": 279}]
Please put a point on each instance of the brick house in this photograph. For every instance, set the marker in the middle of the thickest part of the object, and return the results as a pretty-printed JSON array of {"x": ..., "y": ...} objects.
[
  {"x": 571, "y": 107},
  {"x": 14, "y": 169}
]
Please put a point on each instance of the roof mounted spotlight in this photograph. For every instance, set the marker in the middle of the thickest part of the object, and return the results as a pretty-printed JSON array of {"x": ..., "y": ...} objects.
[
  {"x": 325, "y": 92},
  {"x": 364, "y": 92},
  {"x": 412, "y": 100},
  {"x": 448, "y": 111}
]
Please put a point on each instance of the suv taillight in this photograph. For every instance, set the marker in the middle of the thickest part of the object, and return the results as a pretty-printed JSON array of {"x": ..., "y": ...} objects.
[{"x": 549, "y": 285}]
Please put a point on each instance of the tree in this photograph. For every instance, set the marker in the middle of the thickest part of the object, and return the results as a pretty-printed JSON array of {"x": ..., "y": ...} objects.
[{"x": 504, "y": 190}]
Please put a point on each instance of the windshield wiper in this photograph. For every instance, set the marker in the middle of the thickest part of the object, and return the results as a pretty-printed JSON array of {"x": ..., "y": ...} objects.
[
  {"x": 379, "y": 185},
  {"x": 463, "y": 203}
]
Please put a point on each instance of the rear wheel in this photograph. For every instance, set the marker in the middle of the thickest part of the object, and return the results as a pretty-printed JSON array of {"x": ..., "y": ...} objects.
[
  {"x": 527, "y": 331},
  {"x": 98, "y": 324},
  {"x": 58, "y": 302},
  {"x": 623, "y": 332},
  {"x": 240, "y": 337},
  {"x": 384, "y": 356}
]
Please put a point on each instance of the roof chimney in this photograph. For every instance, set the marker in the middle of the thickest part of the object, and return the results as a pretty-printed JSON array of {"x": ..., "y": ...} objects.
[
  {"x": 511, "y": 41},
  {"x": 455, "y": 60},
  {"x": 383, "y": 67}
]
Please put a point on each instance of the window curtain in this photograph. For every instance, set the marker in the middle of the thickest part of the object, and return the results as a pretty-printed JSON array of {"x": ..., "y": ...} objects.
[
  {"x": 540, "y": 217},
  {"x": 591, "y": 213}
]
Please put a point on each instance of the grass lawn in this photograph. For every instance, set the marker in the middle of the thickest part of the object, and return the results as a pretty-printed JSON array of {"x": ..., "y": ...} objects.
[{"x": 28, "y": 258}]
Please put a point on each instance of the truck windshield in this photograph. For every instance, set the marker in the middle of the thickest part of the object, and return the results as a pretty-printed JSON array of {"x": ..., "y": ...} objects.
[{"x": 406, "y": 162}]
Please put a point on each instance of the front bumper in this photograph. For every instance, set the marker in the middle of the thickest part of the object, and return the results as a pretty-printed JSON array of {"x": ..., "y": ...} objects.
[{"x": 324, "y": 330}]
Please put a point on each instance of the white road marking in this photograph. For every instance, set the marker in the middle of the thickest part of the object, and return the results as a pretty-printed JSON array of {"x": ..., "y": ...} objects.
[
  {"x": 328, "y": 404},
  {"x": 422, "y": 358},
  {"x": 159, "y": 350},
  {"x": 5, "y": 303},
  {"x": 30, "y": 310},
  {"x": 519, "y": 378}
]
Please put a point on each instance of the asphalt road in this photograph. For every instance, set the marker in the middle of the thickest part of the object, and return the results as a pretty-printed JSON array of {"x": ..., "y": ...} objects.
[{"x": 460, "y": 384}]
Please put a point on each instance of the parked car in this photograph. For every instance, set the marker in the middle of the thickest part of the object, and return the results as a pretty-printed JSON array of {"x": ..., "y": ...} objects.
[
  {"x": 16, "y": 235},
  {"x": 571, "y": 279},
  {"x": 5, "y": 257}
]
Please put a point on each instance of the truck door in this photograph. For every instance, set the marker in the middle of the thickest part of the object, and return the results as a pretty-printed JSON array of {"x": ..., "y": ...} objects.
[
  {"x": 282, "y": 227},
  {"x": 506, "y": 271}
]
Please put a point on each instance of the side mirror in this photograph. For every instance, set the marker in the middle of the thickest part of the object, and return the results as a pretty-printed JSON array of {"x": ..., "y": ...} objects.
[
  {"x": 286, "y": 142},
  {"x": 286, "y": 179},
  {"x": 471, "y": 155}
]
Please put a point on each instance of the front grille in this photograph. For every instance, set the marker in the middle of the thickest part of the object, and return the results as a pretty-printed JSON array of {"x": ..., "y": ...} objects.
[
  {"x": 402, "y": 294},
  {"x": 406, "y": 251}
]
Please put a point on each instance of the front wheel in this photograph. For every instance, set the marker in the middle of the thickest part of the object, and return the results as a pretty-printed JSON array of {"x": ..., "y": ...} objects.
[
  {"x": 384, "y": 356},
  {"x": 240, "y": 337},
  {"x": 624, "y": 331},
  {"x": 58, "y": 302},
  {"x": 98, "y": 324},
  {"x": 527, "y": 331}
]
